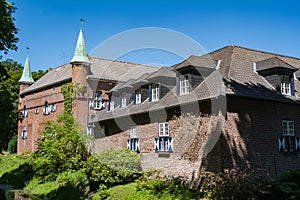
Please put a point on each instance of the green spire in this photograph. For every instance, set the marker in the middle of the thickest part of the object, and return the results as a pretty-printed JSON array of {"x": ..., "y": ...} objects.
[
  {"x": 80, "y": 55},
  {"x": 26, "y": 75}
]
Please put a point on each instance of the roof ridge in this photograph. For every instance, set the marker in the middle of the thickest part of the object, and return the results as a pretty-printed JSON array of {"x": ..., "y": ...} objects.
[
  {"x": 266, "y": 52},
  {"x": 120, "y": 61}
]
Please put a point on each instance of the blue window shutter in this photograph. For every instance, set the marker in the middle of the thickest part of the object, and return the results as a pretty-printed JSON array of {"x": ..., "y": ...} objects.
[
  {"x": 178, "y": 86},
  {"x": 156, "y": 144},
  {"x": 297, "y": 142},
  {"x": 44, "y": 110},
  {"x": 25, "y": 112},
  {"x": 150, "y": 93},
  {"x": 137, "y": 145},
  {"x": 281, "y": 143},
  {"x": 170, "y": 144},
  {"x": 128, "y": 144},
  {"x": 91, "y": 104},
  {"x": 109, "y": 104},
  {"x": 134, "y": 97},
  {"x": 134, "y": 144},
  {"x": 102, "y": 104},
  {"x": 165, "y": 144}
]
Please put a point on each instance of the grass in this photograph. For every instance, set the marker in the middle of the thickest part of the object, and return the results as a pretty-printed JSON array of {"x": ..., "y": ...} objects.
[{"x": 15, "y": 170}]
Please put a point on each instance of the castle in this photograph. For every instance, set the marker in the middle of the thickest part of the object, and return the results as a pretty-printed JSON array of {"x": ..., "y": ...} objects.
[{"x": 233, "y": 107}]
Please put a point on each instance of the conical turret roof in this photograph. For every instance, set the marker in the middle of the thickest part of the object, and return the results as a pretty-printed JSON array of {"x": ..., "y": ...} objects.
[
  {"x": 26, "y": 75},
  {"x": 80, "y": 55}
]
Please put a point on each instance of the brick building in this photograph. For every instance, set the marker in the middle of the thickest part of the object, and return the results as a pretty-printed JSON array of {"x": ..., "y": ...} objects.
[{"x": 234, "y": 107}]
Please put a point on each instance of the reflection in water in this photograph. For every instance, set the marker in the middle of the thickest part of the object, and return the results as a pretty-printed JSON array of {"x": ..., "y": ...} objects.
[{"x": 11, "y": 195}]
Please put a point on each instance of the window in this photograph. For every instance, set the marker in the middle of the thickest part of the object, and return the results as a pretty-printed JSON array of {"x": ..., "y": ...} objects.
[
  {"x": 133, "y": 142},
  {"x": 46, "y": 109},
  {"x": 138, "y": 97},
  {"x": 111, "y": 105},
  {"x": 123, "y": 100},
  {"x": 90, "y": 130},
  {"x": 24, "y": 112},
  {"x": 164, "y": 142},
  {"x": 184, "y": 84},
  {"x": 287, "y": 142},
  {"x": 36, "y": 111},
  {"x": 285, "y": 85},
  {"x": 53, "y": 107},
  {"x": 163, "y": 129},
  {"x": 24, "y": 133},
  {"x": 155, "y": 92},
  {"x": 97, "y": 101}
]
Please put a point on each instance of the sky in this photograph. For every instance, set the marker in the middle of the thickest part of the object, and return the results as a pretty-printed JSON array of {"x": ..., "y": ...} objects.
[{"x": 50, "y": 28}]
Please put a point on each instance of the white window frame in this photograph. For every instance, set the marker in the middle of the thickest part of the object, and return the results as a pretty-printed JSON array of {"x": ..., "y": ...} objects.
[
  {"x": 133, "y": 133},
  {"x": 138, "y": 97},
  {"x": 53, "y": 107},
  {"x": 184, "y": 84},
  {"x": 163, "y": 129},
  {"x": 24, "y": 133},
  {"x": 123, "y": 101},
  {"x": 155, "y": 92},
  {"x": 285, "y": 85},
  {"x": 25, "y": 112},
  {"x": 46, "y": 109},
  {"x": 288, "y": 133},
  {"x": 97, "y": 98}
]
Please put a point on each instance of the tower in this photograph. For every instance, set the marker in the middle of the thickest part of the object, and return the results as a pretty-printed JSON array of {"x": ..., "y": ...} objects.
[
  {"x": 80, "y": 69},
  {"x": 26, "y": 80}
]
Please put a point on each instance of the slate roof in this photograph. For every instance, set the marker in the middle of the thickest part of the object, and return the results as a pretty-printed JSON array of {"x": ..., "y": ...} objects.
[
  {"x": 235, "y": 76},
  {"x": 100, "y": 69}
]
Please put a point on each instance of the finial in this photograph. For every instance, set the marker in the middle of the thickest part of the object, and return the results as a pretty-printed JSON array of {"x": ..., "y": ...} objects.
[
  {"x": 82, "y": 22},
  {"x": 27, "y": 51}
]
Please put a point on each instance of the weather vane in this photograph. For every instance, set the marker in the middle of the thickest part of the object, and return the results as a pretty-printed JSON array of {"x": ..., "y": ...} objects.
[
  {"x": 82, "y": 22},
  {"x": 27, "y": 50}
]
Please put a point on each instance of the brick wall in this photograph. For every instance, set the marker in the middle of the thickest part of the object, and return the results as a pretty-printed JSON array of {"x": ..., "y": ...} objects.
[
  {"x": 248, "y": 138},
  {"x": 35, "y": 122}
]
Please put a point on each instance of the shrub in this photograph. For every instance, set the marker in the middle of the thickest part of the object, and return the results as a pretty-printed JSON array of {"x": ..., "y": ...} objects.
[
  {"x": 234, "y": 184},
  {"x": 121, "y": 159},
  {"x": 12, "y": 145},
  {"x": 103, "y": 176}
]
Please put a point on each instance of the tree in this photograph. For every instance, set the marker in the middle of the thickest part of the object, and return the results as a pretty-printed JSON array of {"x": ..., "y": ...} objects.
[
  {"x": 10, "y": 73},
  {"x": 8, "y": 30}
]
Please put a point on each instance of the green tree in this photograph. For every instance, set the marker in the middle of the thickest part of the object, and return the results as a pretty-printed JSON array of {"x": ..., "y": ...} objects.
[
  {"x": 8, "y": 30},
  {"x": 10, "y": 73},
  {"x": 62, "y": 148}
]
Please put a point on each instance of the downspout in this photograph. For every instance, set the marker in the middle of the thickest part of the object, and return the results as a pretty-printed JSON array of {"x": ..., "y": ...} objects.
[{"x": 87, "y": 106}]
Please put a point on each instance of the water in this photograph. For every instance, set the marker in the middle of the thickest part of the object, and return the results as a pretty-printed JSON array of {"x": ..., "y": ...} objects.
[{"x": 9, "y": 193}]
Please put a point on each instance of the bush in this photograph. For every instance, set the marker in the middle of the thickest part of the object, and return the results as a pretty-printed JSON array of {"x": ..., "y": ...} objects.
[
  {"x": 287, "y": 186},
  {"x": 103, "y": 176},
  {"x": 234, "y": 184},
  {"x": 121, "y": 159},
  {"x": 12, "y": 145}
]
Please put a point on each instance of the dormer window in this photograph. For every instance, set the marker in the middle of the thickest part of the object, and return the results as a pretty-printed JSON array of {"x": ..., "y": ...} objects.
[
  {"x": 111, "y": 105},
  {"x": 155, "y": 92},
  {"x": 123, "y": 100},
  {"x": 97, "y": 101},
  {"x": 138, "y": 97},
  {"x": 285, "y": 85},
  {"x": 184, "y": 84}
]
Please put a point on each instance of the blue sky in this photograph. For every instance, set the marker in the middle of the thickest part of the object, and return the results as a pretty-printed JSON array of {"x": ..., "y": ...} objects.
[{"x": 50, "y": 28}]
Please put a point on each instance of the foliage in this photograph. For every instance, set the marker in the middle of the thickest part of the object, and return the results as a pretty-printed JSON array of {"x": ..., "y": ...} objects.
[
  {"x": 67, "y": 186},
  {"x": 103, "y": 176},
  {"x": 234, "y": 184},
  {"x": 287, "y": 186},
  {"x": 12, "y": 145},
  {"x": 15, "y": 170},
  {"x": 37, "y": 75},
  {"x": 10, "y": 73},
  {"x": 8, "y": 30},
  {"x": 121, "y": 159},
  {"x": 62, "y": 148}
]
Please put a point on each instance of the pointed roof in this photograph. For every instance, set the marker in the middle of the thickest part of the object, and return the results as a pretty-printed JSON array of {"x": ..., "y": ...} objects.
[
  {"x": 80, "y": 55},
  {"x": 26, "y": 75}
]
